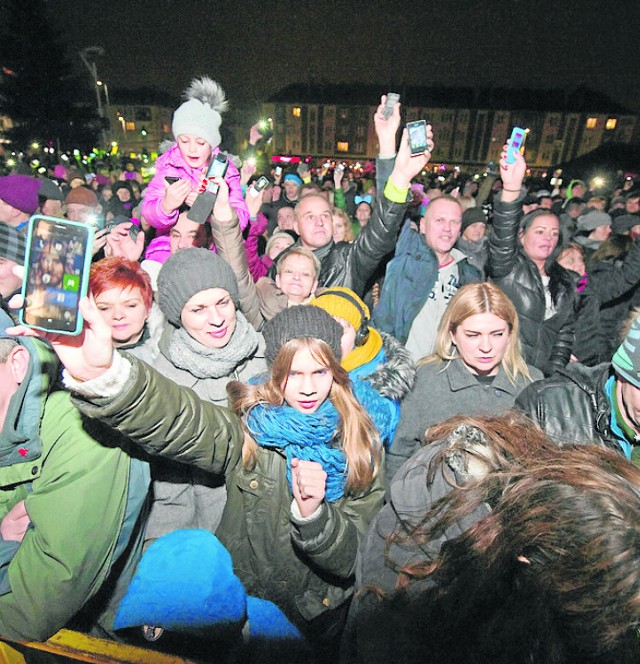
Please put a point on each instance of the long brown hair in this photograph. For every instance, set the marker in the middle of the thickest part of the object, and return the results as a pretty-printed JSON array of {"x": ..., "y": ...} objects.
[
  {"x": 359, "y": 437},
  {"x": 551, "y": 573},
  {"x": 480, "y": 298}
]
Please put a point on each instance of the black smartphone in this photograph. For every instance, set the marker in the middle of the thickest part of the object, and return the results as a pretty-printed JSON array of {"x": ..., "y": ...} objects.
[
  {"x": 203, "y": 205},
  {"x": 261, "y": 183},
  {"x": 264, "y": 127},
  {"x": 417, "y": 136},
  {"x": 392, "y": 99},
  {"x": 171, "y": 179},
  {"x": 58, "y": 260}
]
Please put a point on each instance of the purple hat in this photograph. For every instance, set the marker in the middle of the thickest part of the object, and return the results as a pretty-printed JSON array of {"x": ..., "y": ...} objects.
[{"x": 20, "y": 192}]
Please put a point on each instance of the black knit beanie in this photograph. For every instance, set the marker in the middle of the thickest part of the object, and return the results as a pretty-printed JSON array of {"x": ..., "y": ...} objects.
[
  {"x": 188, "y": 272},
  {"x": 301, "y": 321}
]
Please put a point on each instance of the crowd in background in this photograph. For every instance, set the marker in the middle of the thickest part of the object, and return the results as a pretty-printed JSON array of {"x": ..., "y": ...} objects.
[{"x": 392, "y": 416}]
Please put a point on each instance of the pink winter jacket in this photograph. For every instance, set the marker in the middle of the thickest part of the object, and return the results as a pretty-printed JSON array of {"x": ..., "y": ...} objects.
[{"x": 172, "y": 164}]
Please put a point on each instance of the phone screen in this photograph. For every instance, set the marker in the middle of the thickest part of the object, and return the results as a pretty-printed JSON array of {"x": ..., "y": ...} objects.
[
  {"x": 417, "y": 136},
  {"x": 58, "y": 261},
  {"x": 217, "y": 169}
]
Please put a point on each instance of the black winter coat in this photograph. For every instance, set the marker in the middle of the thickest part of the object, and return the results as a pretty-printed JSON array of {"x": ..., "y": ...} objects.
[
  {"x": 572, "y": 407},
  {"x": 610, "y": 294},
  {"x": 546, "y": 344}
]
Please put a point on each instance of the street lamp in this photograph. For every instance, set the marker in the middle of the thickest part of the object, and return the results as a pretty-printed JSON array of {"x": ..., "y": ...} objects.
[{"x": 89, "y": 56}]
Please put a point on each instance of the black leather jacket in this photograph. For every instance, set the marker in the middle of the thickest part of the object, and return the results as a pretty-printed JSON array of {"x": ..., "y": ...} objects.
[
  {"x": 572, "y": 407},
  {"x": 351, "y": 264},
  {"x": 546, "y": 344}
]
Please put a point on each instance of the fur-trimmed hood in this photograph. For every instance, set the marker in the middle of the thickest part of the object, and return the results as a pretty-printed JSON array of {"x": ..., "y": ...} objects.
[{"x": 395, "y": 378}]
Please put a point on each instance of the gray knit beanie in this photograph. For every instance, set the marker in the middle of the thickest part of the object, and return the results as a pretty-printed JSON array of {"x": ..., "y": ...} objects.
[
  {"x": 592, "y": 219},
  {"x": 200, "y": 114},
  {"x": 188, "y": 272},
  {"x": 301, "y": 321}
]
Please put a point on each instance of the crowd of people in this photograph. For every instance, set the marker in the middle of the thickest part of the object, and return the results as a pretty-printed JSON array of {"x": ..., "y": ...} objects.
[{"x": 393, "y": 419}]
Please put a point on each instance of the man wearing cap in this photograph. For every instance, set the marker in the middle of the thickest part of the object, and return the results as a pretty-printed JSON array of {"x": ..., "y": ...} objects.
[
  {"x": 12, "y": 248},
  {"x": 18, "y": 199},
  {"x": 601, "y": 404},
  {"x": 473, "y": 241},
  {"x": 626, "y": 224},
  {"x": 82, "y": 205},
  {"x": 50, "y": 198},
  {"x": 593, "y": 228}
]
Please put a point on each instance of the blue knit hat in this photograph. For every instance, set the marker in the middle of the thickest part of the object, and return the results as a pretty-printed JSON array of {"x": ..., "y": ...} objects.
[{"x": 626, "y": 360}]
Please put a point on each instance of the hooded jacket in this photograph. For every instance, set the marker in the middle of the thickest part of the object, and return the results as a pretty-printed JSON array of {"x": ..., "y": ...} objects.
[
  {"x": 172, "y": 164},
  {"x": 84, "y": 496}
]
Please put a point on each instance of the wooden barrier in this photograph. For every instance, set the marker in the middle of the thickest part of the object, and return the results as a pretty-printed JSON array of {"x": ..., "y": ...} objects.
[{"x": 79, "y": 647}]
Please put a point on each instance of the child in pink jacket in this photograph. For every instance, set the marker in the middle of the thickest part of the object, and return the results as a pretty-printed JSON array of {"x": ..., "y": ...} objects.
[{"x": 196, "y": 128}]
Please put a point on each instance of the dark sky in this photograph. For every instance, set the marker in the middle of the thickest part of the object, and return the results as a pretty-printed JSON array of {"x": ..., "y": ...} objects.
[{"x": 254, "y": 48}]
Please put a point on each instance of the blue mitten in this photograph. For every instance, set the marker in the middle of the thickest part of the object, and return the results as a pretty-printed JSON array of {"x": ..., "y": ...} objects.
[{"x": 184, "y": 580}]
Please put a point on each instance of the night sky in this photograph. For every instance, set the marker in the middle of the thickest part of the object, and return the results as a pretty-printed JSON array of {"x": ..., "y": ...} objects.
[{"x": 254, "y": 48}]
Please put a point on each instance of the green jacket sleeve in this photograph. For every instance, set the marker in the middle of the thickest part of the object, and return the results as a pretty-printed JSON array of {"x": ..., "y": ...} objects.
[
  {"x": 331, "y": 541},
  {"x": 169, "y": 420},
  {"x": 76, "y": 509}
]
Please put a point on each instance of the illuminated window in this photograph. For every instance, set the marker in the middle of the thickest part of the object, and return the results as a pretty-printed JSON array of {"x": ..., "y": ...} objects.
[
  {"x": 611, "y": 123},
  {"x": 166, "y": 128},
  {"x": 343, "y": 146},
  {"x": 295, "y": 111},
  {"x": 591, "y": 123},
  {"x": 130, "y": 126}
]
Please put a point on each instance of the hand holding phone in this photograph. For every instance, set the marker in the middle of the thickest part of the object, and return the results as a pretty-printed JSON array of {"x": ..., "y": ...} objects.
[
  {"x": 203, "y": 205},
  {"x": 58, "y": 260},
  {"x": 259, "y": 185},
  {"x": 418, "y": 137},
  {"x": 392, "y": 99},
  {"x": 516, "y": 143}
]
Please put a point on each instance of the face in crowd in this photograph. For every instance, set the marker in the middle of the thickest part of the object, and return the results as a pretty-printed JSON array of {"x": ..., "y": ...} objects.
[
  {"x": 441, "y": 225},
  {"x": 209, "y": 317},
  {"x": 314, "y": 223}
]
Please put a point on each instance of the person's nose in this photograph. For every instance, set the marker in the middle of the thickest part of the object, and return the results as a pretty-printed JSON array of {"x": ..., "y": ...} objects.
[
  {"x": 485, "y": 344},
  {"x": 307, "y": 387}
]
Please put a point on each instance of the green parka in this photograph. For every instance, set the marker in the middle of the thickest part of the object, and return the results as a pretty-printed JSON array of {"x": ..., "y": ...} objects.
[{"x": 307, "y": 567}]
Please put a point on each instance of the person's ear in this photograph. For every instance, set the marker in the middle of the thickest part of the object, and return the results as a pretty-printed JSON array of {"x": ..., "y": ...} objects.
[
  {"x": 19, "y": 363},
  {"x": 278, "y": 280}
]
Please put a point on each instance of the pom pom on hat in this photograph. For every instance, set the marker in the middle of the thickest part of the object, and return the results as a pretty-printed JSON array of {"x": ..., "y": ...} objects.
[{"x": 200, "y": 114}]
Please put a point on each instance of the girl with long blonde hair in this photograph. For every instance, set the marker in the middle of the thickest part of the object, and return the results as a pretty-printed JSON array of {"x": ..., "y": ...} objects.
[{"x": 477, "y": 368}]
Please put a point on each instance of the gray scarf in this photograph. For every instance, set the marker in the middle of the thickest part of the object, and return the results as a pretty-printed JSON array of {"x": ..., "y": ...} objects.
[{"x": 204, "y": 362}]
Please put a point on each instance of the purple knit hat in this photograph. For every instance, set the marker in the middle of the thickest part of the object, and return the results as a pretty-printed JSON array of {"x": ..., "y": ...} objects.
[{"x": 20, "y": 192}]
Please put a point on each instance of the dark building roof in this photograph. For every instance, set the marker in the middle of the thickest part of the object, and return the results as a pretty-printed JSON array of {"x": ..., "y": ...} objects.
[
  {"x": 143, "y": 96},
  {"x": 610, "y": 157},
  {"x": 580, "y": 100}
]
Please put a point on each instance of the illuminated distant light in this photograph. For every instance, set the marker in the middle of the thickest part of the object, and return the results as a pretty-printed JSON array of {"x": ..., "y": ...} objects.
[
  {"x": 544, "y": 175},
  {"x": 423, "y": 173},
  {"x": 114, "y": 144},
  {"x": 441, "y": 178},
  {"x": 251, "y": 161},
  {"x": 64, "y": 157},
  {"x": 35, "y": 146},
  {"x": 527, "y": 130},
  {"x": 76, "y": 153},
  {"x": 11, "y": 162},
  {"x": 598, "y": 181},
  {"x": 35, "y": 163},
  {"x": 456, "y": 169},
  {"x": 476, "y": 176},
  {"x": 42, "y": 170},
  {"x": 443, "y": 167},
  {"x": 552, "y": 182}
]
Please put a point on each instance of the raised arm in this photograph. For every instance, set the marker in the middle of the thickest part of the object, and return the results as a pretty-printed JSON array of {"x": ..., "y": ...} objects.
[{"x": 507, "y": 210}]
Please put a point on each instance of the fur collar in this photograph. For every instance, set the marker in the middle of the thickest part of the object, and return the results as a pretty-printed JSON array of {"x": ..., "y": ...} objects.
[{"x": 395, "y": 378}]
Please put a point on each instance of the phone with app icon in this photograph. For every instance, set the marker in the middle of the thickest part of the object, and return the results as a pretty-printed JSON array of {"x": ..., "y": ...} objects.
[{"x": 57, "y": 264}]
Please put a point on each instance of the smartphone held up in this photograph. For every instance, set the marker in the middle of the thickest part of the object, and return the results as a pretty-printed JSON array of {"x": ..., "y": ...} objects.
[
  {"x": 57, "y": 264},
  {"x": 417, "y": 137}
]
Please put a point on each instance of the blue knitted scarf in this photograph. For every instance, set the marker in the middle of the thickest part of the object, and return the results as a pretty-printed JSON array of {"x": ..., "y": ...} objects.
[{"x": 302, "y": 436}]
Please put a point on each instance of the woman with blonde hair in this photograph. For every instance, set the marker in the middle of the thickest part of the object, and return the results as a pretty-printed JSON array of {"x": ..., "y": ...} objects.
[
  {"x": 477, "y": 368},
  {"x": 342, "y": 227}
]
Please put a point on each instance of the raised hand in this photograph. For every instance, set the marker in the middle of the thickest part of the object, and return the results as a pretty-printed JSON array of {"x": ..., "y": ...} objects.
[
  {"x": 512, "y": 175},
  {"x": 407, "y": 166},
  {"x": 175, "y": 195},
  {"x": 386, "y": 129},
  {"x": 309, "y": 484}
]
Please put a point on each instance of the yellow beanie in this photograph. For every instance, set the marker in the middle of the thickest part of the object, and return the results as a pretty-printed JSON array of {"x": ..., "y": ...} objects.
[{"x": 341, "y": 302}]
